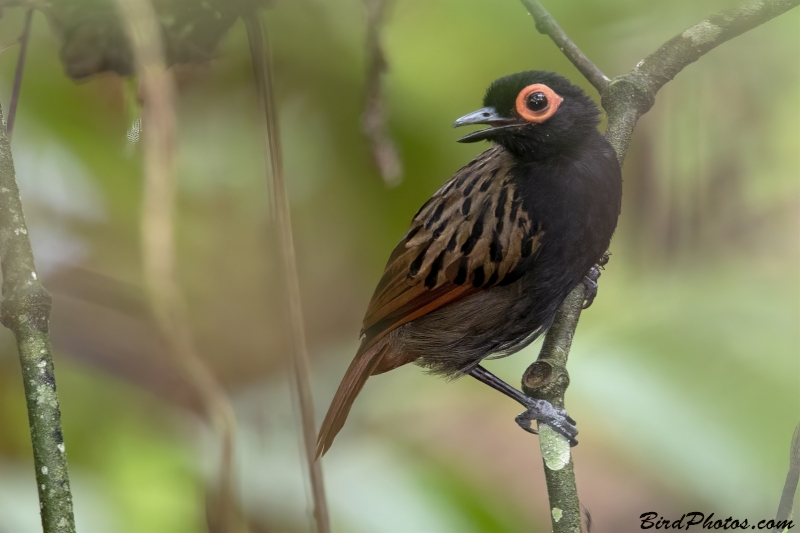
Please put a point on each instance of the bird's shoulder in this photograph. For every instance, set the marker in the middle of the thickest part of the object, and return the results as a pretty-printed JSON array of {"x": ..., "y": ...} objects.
[{"x": 470, "y": 236}]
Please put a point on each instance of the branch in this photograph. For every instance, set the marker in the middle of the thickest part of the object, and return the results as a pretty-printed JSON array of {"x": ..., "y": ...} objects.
[
  {"x": 631, "y": 95},
  {"x": 547, "y": 25},
  {"x": 547, "y": 378},
  {"x": 158, "y": 247},
  {"x": 625, "y": 99},
  {"x": 262, "y": 71},
  {"x": 373, "y": 120},
  {"x": 685, "y": 48},
  {"x": 23, "y": 51},
  {"x": 26, "y": 312},
  {"x": 792, "y": 478}
]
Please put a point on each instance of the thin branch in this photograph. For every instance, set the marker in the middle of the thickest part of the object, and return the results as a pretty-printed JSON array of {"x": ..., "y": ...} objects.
[
  {"x": 26, "y": 311},
  {"x": 23, "y": 52},
  {"x": 547, "y": 25},
  {"x": 792, "y": 478},
  {"x": 262, "y": 70},
  {"x": 625, "y": 99},
  {"x": 5, "y": 47},
  {"x": 373, "y": 120},
  {"x": 158, "y": 246}
]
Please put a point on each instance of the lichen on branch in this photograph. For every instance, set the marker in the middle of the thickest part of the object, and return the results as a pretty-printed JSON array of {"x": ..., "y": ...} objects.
[{"x": 25, "y": 310}]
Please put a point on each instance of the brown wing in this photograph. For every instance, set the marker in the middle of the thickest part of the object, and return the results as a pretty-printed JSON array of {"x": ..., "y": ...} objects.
[{"x": 467, "y": 237}]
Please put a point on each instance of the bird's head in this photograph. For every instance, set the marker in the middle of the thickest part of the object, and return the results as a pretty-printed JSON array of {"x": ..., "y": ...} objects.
[{"x": 534, "y": 113}]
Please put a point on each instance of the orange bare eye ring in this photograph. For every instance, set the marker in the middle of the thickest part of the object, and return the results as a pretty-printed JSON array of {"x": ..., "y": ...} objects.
[{"x": 539, "y": 116}]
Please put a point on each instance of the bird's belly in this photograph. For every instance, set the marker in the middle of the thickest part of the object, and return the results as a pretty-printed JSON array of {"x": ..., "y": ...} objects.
[{"x": 498, "y": 321}]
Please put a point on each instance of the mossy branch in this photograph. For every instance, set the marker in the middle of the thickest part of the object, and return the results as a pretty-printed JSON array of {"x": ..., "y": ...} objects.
[
  {"x": 625, "y": 99},
  {"x": 26, "y": 311}
]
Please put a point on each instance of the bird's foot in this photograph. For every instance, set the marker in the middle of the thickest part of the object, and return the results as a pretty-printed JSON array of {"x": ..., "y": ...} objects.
[
  {"x": 590, "y": 282},
  {"x": 556, "y": 418},
  {"x": 540, "y": 410}
]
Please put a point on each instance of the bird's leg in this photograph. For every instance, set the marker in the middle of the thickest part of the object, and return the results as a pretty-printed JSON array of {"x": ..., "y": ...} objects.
[
  {"x": 590, "y": 280},
  {"x": 540, "y": 410}
]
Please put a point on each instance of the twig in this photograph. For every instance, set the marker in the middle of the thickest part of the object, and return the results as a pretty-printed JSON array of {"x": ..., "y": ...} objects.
[
  {"x": 158, "y": 248},
  {"x": 5, "y": 47},
  {"x": 373, "y": 120},
  {"x": 792, "y": 478},
  {"x": 262, "y": 70},
  {"x": 547, "y": 25},
  {"x": 625, "y": 99},
  {"x": 26, "y": 311},
  {"x": 23, "y": 51}
]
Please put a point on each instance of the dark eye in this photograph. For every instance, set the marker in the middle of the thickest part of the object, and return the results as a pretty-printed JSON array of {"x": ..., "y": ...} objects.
[{"x": 537, "y": 101}]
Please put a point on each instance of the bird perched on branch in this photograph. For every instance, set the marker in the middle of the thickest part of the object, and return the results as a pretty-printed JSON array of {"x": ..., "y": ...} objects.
[{"x": 491, "y": 256}]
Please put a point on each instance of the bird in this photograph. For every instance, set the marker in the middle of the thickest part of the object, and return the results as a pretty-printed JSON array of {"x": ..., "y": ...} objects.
[{"x": 490, "y": 257}]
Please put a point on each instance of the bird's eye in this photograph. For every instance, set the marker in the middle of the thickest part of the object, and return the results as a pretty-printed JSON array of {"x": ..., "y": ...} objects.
[{"x": 536, "y": 101}]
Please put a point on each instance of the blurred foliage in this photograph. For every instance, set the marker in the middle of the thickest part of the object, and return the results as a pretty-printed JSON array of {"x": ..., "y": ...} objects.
[
  {"x": 93, "y": 41},
  {"x": 685, "y": 371}
]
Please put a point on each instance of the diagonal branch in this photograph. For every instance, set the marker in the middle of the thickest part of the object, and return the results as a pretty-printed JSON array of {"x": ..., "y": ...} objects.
[
  {"x": 26, "y": 312},
  {"x": 262, "y": 71},
  {"x": 687, "y": 47},
  {"x": 625, "y": 99},
  {"x": 547, "y": 25},
  {"x": 631, "y": 95}
]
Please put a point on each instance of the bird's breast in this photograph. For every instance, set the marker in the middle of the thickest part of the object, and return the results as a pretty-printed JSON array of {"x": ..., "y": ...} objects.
[{"x": 577, "y": 203}]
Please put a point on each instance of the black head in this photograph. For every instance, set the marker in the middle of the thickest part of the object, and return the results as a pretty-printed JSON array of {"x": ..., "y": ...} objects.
[{"x": 534, "y": 113}]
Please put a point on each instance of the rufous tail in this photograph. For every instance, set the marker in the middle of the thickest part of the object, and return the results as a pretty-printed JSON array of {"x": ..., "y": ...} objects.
[{"x": 363, "y": 365}]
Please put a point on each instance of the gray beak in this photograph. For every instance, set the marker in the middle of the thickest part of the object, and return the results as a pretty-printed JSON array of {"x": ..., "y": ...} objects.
[{"x": 487, "y": 115}]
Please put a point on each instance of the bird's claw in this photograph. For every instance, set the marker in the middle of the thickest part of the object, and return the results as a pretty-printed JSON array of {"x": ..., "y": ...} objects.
[
  {"x": 590, "y": 282},
  {"x": 556, "y": 418},
  {"x": 524, "y": 422}
]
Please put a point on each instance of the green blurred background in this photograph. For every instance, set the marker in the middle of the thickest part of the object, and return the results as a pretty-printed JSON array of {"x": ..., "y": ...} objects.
[{"x": 685, "y": 371}]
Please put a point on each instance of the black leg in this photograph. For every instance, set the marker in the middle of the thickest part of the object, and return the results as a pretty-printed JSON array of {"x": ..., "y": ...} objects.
[
  {"x": 540, "y": 410},
  {"x": 484, "y": 376}
]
